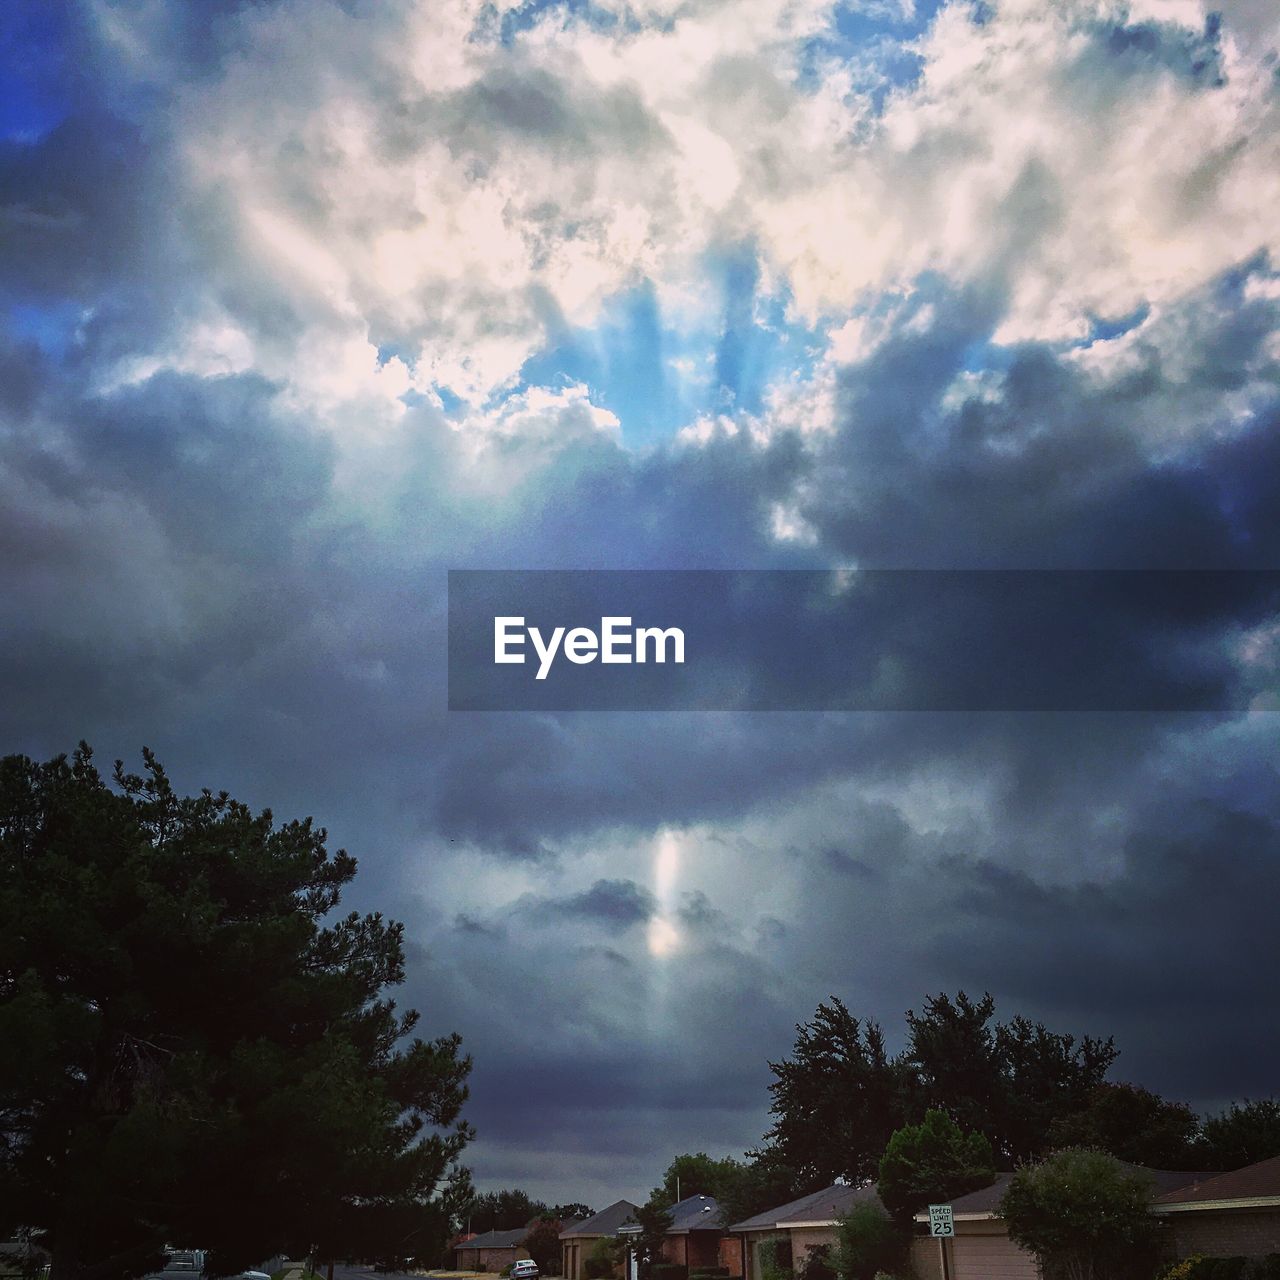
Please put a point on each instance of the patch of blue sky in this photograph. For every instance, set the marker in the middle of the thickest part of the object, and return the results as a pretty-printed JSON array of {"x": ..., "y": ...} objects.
[
  {"x": 1105, "y": 328},
  {"x": 53, "y": 327},
  {"x": 35, "y": 78},
  {"x": 873, "y": 41},
  {"x": 659, "y": 373},
  {"x": 510, "y": 24}
]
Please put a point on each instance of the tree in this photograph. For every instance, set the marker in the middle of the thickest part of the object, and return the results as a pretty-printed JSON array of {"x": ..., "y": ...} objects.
[
  {"x": 187, "y": 1051},
  {"x": 1244, "y": 1133},
  {"x": 759, "y": 1183},
  {"x": 840, "y": 1095},
  {"x": 1084, "y": 1215},
  {"x": 572, "y": 1212},
  {"x": 932, "y": 1162},
  {"x": 698, "y": 1174},
  {"x": 1010, "y": 1081},
  {"x": 1045, "y": 1075},
  {"x": 504, "y": 1210},
  {"x": 1132, "y": 1124},
  {"x": 836, "y": 1099},
  {"x": 868, "y": 1241},
  {"x": 543, "y": 1244},
  {"x": 654, "y": 1222}
]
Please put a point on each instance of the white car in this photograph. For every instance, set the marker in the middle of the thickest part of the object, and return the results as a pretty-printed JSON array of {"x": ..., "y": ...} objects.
[{"x": 524, "y": 1269}]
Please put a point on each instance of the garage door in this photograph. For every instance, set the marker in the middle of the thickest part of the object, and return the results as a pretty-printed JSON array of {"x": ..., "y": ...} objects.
[{"x": 991, "y": 1258}]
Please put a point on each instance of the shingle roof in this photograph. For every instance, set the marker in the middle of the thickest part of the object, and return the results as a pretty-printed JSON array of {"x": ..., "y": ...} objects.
[
  {"x": 986, "y": 1201},
  {"x": 1259, "y": 1181},
  {"x": 818, "y": 1206},
  {"x": 496, "y": 1239},
  {"x": 604, "y": 1223},
  {"x": 695, "y": 1213}
]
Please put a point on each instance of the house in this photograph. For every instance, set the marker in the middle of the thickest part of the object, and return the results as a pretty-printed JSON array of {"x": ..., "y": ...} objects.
[
  {"x": 491, "y": 1250},
  {"x": 981, "y": 1248},
  {"x": 1225, "y": 1215},
  {"x": 804, "y": 1224},
  {"x": 578, "y": 1241},
  {"x": 693, "y": 1238}
]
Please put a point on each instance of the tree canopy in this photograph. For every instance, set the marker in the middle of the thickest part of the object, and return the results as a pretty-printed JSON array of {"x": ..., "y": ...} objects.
[
  {"x": 698, "y": 1174},
  {"x": 1244, "y": 1133},
  {"x": 841, "y": 1094},
  {"x": 504, "y": 1210},
  {"x": 932, "y": 1162},
  {"x": 836, "y": 1099},
  {"x": 194, "y": 1047},
  {"x": 1132, "y": 1124}
]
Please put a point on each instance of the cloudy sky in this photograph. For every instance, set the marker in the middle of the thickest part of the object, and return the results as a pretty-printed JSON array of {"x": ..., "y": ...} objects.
[{"x": 308, "y": 301}]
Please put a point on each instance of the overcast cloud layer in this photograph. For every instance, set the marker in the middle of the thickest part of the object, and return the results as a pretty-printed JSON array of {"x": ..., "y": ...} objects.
[{"x": 308, "y": 301}]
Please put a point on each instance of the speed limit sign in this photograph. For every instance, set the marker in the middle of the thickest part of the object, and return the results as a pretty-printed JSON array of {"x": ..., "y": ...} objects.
[{"x": 941, "y": 1223}]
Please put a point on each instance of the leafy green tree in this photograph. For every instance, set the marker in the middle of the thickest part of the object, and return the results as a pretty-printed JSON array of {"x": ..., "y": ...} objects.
[
  {"x": 932, "y": 1162},
  {"x": 1044, "y": 1076},
  {"x": 1084, "y": 1215},
  {"x": 575, "y": 1211},
  {"x": 840, "y": 1095},
  {"x": 1010, "y": 1081},
  {"x": 868, "y": 1241},
  {"x": 760, "y": 1182},
  {"x": 1244, "y": 1133},
  {"x": 504, "y": 1210},
  {"x": 1132, "y": 1124},
  {"x": 698, "y": 1174},
  {"x": 836, "y": 1099},
  {"x": 188, "y": 1052}
]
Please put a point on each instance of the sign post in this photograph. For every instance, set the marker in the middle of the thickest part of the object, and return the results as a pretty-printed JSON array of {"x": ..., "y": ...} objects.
[{"x": 942, "y": 1227}]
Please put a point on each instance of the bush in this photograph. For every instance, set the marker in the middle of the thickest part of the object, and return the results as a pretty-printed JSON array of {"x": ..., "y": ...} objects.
[
  {"x": 775, "y": 1258},
  {"x": 1084, "y": 1215},
  {"x": 709, "y": 1273},
  {"x": 816, "y": 1264},
  {"x": 1237, "y": 1268},
  {"x": 601, "y": 1263},
  {"x": 668, "y": 1271},
  {"x": 867, "y": 1242}
]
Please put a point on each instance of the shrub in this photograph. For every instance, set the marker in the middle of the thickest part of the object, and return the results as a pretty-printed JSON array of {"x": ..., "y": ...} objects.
[
  {"x": 868, "y": 1241},
  {"x": 775, "y": 1258},
  {"x": 597, "y": 1268},
  {"x": 668, "y": 1271},
  {"x": 1235, "y": 1268},
  {"x": 1084, "y": 1215},
  {"x": 709, "y": 1273},
  {"x": 816, "y": 1264}
]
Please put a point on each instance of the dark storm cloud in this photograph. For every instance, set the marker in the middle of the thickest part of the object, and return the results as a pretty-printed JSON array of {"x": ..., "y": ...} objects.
[
  {"x": 182, "y": 566},
  {"x": 1175, "y": 953},
  {"x": 617, "y": 903}
]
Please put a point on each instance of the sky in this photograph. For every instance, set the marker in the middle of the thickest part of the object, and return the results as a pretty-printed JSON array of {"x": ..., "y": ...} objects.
[{"x": 307, "y": 302}]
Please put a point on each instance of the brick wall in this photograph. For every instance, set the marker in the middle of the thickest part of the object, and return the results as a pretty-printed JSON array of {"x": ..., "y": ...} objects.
[
  {"x": 731, "y": 1254},
  {"x": 1225, "y": 1233}
]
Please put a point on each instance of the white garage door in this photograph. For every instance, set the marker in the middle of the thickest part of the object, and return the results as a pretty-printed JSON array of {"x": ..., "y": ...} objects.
[{"x": 991, "y": 1258}]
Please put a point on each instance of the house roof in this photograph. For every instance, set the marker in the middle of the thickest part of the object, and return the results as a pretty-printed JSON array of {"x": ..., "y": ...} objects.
[
  {"x": 604, "y": 1223},
  {"x": 985, "y": 1203},
  {"x": 1255, "y": 1184},
  {"x": 695, "y": 1213},
  {"x": 496, "y": 1239},
  {"x": 818, "y": 1207}
]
